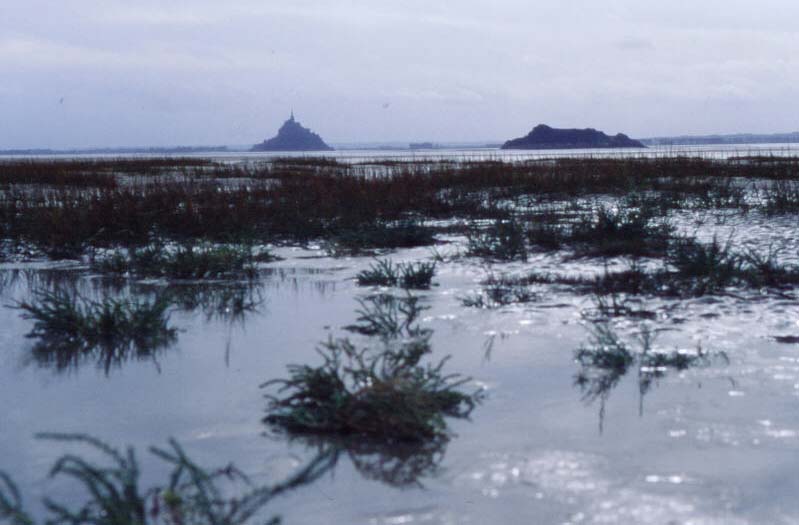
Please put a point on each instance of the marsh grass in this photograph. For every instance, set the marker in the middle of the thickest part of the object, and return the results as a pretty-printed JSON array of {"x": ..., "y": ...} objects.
[
  {"x": 381, "y": 235},
  {"x": 354, "y": 207},
  {"x": 690, "y": 269},
  {"x": 618, "y": 305},
  {"x": 612, "y": 233},
  {"x": 781, "y": 197},
  {"x": 415, "y": 276},
  {"x": 501, "y": 291},
  {"x": 504, "y": 240},
  {"x": 186, "y": 261},
  {"x": 190, "y": 494},
  {"x": 381, "y": 392},
  {"x": 71, "y": 329}
]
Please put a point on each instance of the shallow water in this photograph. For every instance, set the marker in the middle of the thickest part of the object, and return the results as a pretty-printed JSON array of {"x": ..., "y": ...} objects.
[
  {"x": 706, "y": 445},
  {"x": 355, "y": 154}
]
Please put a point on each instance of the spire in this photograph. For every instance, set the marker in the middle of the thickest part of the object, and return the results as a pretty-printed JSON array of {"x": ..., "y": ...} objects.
[{"x": 292, "y": 115}]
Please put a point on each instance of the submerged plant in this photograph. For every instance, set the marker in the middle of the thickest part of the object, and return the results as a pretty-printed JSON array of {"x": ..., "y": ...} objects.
[
  {"x": 190, "y": 495},
  {"x": 607, "y": 359},
  {"x": 382, "y": 392}
]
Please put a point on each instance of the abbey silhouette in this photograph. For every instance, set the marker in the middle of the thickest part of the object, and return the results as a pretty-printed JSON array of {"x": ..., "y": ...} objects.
[{"x": 292, "y": 136}]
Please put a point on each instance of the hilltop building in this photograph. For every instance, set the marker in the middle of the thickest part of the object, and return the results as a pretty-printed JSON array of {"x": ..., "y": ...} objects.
[{"x": 292, "y": 136}]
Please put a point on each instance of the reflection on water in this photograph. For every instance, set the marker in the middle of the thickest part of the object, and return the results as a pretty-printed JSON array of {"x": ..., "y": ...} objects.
[
  {"x": 229, "y": 302},
  {"x": 80, "y": 319},
  {"x": 606, "y": 359},
  {"x": 71, "y": 330},
  {"x": 400, "y": 465}
]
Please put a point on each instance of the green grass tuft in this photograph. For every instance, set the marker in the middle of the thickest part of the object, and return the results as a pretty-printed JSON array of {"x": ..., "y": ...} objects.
[
  {"x": 71, "y": 329},
  {"x": 187, "y": 261},
  {"x": 383, "y": 392},
  {"x": 415, "y": 276}
]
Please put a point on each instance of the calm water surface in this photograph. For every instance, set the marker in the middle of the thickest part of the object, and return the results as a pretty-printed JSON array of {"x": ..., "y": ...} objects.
[{"x": 716, "y": 444}]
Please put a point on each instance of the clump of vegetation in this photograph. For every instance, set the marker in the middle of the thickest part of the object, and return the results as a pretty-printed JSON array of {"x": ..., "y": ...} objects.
[
  {"x": 384, "y": 392},
  {"x": 710, "y": 267},
  {"x": 65, "y": 208},
  {"x": 191, "y": 494},
  {"x": 546, "y": 235},
  {"x": 765, "y": 270},
  {"x": 382, "y": 235},
  {"x": 618, "y": 305},
  {"x": 186, "y": 261},
  {"x": 417, "y": 276},
  {"x": 620, "y": 232},
  {"x": 502, "y": 241},
  {"x": 781, "y": 197},
  {"x": 501, "y": 291},
  {"x": 70, "y": 328}
]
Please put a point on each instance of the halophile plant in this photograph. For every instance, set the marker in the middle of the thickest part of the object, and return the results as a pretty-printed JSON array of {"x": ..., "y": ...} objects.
[
  {"x": 186, "y": 261},
  {"x": 69, "y": 328},
  {"x": 417, "y": 276},
  {"x": 502, "y": 241},
  {"x": 190, "y": 494},
  {"x": 607, "y": 359},
  {"x": 382, "y": 392}
]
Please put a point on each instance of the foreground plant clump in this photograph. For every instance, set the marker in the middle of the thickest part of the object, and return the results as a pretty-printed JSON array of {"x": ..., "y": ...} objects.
[
  {"x": 190, "y": 495},
  {"x": 380, "y": 391}
]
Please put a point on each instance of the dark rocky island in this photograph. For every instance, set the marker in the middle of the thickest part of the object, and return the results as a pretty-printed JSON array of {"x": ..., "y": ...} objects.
[
  {"x": 545, "y": 137},
  {"x": 292, "y": 136}
]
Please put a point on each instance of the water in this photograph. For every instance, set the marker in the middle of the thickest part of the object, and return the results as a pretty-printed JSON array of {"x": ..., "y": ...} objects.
[
  {"x": 714, "y": 444},
  {"x": 713, "y": 151}
]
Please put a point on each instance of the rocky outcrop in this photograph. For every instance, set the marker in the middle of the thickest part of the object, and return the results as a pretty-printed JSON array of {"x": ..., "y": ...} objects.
[
  {"x": 545, "y": 137},
  {"x": 292, "y": 136}
]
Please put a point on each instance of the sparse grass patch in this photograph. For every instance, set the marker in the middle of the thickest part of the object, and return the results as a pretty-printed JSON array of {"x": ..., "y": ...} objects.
[
  {"x": 382, "y": 235},
  {"x": 781, "y": 197},
  {"x": 384, "y": 392},
  {"x": 502, "y": 241},
  {"x": 500, "y": 291},
  {"x": 187, "y": 261},
  {"x": 416, "y": 276},
  {"x": 611, "y": 233}
]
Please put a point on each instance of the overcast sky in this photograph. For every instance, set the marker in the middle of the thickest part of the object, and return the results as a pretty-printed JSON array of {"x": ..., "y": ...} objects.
[{"x": 81, "y": 73}]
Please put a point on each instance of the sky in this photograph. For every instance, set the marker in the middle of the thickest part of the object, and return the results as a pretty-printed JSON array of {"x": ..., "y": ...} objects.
[{"x": 106, "y": 73}]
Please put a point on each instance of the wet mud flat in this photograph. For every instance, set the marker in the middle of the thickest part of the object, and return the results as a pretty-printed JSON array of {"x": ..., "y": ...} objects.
[{"x": 565, "y": 341}]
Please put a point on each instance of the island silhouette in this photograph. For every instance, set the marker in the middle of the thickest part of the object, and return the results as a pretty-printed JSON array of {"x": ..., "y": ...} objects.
[
  {"x": 293, "y": 136},
  {"x": 546, "y": 137}
]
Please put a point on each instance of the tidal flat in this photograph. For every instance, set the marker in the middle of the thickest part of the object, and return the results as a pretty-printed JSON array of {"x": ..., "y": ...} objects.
[{"x": 564, "y": 340}]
